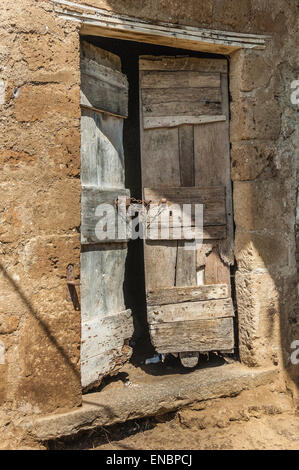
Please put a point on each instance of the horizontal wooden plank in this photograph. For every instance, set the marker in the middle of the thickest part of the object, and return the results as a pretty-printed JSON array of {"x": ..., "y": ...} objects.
[
  {"x": 174, "y": 121},
  {"x": 190, "y": 311},
  {"x": 103, "y": 88},
  {"x": 197, "y": 335},
  {"x": 166, "y": 215},
  {"x": 168, "y": 80},
  {"x": 104, "y": 346},
  {"x": 103, "y": 73},
  {"x": 175, "y": 295},
  {"x": 187, "y": 194},
  {"x": 182, "y": 108},
  {"x": 100, "y": 56},
  {"x": 91, "y": 199},
  {"x": 182, "y": 63},
  {"x": 171, "y": 211},
  {"x": 184, "y": 95},
  {"x": 213, "y": 232},
  {"x": 101, "y": 334},
  {"x": 162, "y": 215}
]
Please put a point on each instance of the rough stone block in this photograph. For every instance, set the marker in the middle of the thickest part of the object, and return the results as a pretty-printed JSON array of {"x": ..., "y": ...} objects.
[
  {"x": 261, "y": 205},
  {"x": 261, "y": 251},
  {"x": 251, "y": 159},
  {"x": 258, "y": 318},
  {"x": 253, "y": 117}
]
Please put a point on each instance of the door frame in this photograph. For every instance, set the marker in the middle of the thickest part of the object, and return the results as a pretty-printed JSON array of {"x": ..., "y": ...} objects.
[{"x": 238, "y": 47}]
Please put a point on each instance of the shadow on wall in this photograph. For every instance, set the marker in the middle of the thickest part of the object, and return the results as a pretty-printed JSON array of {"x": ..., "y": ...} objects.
[
  {"x": 53, "y": 357},
  {"x": 266, "y": 279}
]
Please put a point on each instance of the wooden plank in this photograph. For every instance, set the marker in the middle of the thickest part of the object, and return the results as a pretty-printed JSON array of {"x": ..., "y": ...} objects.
[
  {"x": 209, "y": 150},
  {"x": 160, "y": 263},
  {"x": 99, "y": 22},
  {"x": 175, "y": 295},
  {"x": 184, "y": 195},
  {"x": 182, "y": 63},
  {"x": 216, "y": 271},
  {"x": 103, "y": 95},
  {"x": 107, "y": 333},
  {"x": 92, "y": 198},
  {"x": 157, "y": 143},
  {"x": 159, "y": 216},
  {"x": 163, "y": 214},
  {"x": 214, "y": 232},
  {"x": 173, "y": 121},
  {"x": 197, "y": 335},
  {"x": 103, "y": 85},
  {"x": 102, "y": 153},
  {"x": 105, "y": 74},
  {"x": 186, "y": 155},
  {"x": 102, "y": 272},
  {"x": 191, "y": 311},
  {"x": 183, "y": 108},
  {"x": 186, "y": 259},
  {"x": 185, "y": 266},
  {"x": 152, "y": 96},
  {"x": 100, "y": 56},
  {"x": 104, "y": 346},
  {"x": 162, "y": 79}
]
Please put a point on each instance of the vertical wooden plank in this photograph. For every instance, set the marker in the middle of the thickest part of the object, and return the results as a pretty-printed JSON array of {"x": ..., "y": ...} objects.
[
  {"x": 216, "y": 271},
  {"x": 186, "y": 155},
  {"x": 227, "y": 246},
  {"x": 186, "y": 259},
  {"x": 185, "y": 266},
  {"x": 160, "y": 263},
  {"x": 160, "y": 145}
]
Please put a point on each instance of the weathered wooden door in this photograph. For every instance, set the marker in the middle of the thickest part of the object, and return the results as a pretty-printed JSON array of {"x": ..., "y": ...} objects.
[
  {"x": 106, "y": 324},
  {"x": 185, "y": 159}
]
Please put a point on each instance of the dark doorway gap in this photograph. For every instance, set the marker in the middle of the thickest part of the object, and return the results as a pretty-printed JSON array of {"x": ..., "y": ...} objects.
[{"x": 134, "y": 286}]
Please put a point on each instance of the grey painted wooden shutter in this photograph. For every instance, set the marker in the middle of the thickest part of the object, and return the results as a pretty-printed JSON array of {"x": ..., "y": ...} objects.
[
  {"x": 185, "y": 158},
  {"x": 107, "y": 325}
]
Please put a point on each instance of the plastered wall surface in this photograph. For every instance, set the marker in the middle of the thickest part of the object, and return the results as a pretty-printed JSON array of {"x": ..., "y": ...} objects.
[{"x": 40, "y": 192}]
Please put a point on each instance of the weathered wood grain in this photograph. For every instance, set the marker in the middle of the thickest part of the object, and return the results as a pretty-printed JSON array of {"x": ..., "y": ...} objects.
[
  {"x": 197, "y": 335},
  {"x": 181, "y": 95},
  {"x": 103, "y": 345},
  {"x": 176, "y": 102},
  {"x": 216, "y": 271},
  {"x": 184, "y": 108},
  {"x": 92, "y": 198},
  {"x": 99, "y": 93},
  {"x": 174, "y": 121},
  {"x": 177, "y": 295},
  {"x": 182, "y": 63},
  {"x": 191, "y": 311},
  {"x": 103, "y": 86},
  {"x": 185, "y": 266},
  {"x": 156, "y": 144},
  {"x": 100, "y": 56},
  {"x": 102, "y": 154},
  {"x": 160, "y": 263},
  {"x": 186, "y": 155},
  {"x": 178, "y": 79},
  {"x": 106, "y": 324}
]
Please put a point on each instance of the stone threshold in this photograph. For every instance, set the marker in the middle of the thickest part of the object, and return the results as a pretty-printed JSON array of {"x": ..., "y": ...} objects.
[{"x": 160, "y": 395}]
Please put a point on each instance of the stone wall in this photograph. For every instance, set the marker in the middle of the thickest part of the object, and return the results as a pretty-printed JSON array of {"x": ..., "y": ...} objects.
[{"x": 40, "y": 191}]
